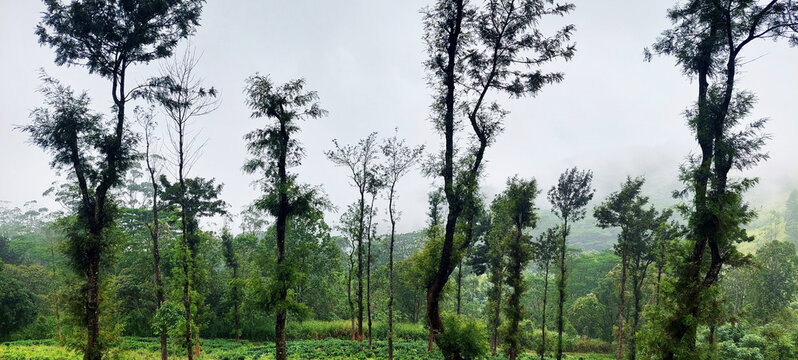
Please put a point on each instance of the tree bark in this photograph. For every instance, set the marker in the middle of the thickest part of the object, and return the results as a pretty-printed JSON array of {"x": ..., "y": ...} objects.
[
  {"x": 281, "y": 352},
  {"x": 494, "y": 337},
  {"x": 360, "y": 264},
  {"x": 446, "y": 263},
  {"x": 368, "y": 266},
  {"x": 561, "y": 288},
  {"x": 94, "y": 209},
  {"x": 543, "y": 313},
  {"x": 187, "y": 255},
  {"x": 349, "y": 294},
  {"x": 621, "y": 298},
  {"x": 156, "y": 251},
  {"x": 236, "y": 309},
  {"x": 514, "y": 300},
  {"x": 390, "y": 274},
  {"x": 93, "y": 351},
  {"x": 459, "y": 284}
]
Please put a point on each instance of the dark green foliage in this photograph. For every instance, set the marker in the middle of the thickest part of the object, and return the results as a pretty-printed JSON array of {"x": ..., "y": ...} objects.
[
  {"x": 464, "y": 335},
  {"x": 773, "y": 281},
  {"x": 274, "y": 150},
  {"x": 568, "y": 199},
  {"x": 474, "y": 52},
  {"x": 707, "y": 39},
  {"x": 626, "y": 210},
  {"x": 108, "y": 36},
  {"x": 201, "y": 199},
  {"x": 586, "y": 315},
  {"x": 17, "y": 304},
  {"x": 514, "y": 212}
]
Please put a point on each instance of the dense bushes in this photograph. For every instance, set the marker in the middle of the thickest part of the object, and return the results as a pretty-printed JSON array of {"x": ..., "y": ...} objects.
[
  {"x": 743, "y": 342},
  {"x": 17, "y": 304},
  {"x": 335, "y": 329}
]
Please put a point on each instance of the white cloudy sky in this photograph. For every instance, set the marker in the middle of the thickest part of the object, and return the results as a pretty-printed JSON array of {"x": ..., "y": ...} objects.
[{"x": 614, "y": 113}]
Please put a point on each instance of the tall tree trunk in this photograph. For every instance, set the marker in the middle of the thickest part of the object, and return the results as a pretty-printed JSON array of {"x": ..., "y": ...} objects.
[
  {"x": 543, "y": 313},
  {"x": 494, "y": 336},
  {"x": 349, "y": 295},
  {"x": 621, "y": 299},
  {"x": 390, "y": 274},
  {"x": 636, "y": 319},
  {"x": 156, "y": 250},
  {"x": 92, "y": 306},
  {"x": 459, "y": 284},
  {"x": 514, "y": 300},
  {"x": 187, "y": 255},
  {"x": 368, "y": 266},
  {"x": 635, "y": 324},
  {"x": 659, "y": 277},
  {"x": 446, "y": 265},
  {"x": 678, "y": 329},
  {"x": 56, "y": 303},
  {"x": 156, "y": 256},
  {"x": 95, "y": 211},
  {"x": 281, "y": 352},
  {"x": 236, "y": 309},
  {"x": 360, "y": 266},
  {"x": 561, "y": 288},
  {"x": 368, "y": 289}
]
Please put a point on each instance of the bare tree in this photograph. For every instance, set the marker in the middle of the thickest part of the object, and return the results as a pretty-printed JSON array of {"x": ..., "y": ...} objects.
[{"x": 181, "y": 96}]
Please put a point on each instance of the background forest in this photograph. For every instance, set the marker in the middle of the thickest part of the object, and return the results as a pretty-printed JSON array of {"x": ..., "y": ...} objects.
[{"x": 141, "y": 258}]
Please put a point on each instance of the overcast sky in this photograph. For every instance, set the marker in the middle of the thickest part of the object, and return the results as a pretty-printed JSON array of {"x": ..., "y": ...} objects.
[{"x": 614, "y": 113}]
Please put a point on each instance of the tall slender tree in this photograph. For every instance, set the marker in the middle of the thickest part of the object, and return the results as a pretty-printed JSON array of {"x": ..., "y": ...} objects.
[
  {"x": 707, "y": 40},
  {"x": 497, "y": 266},
  {"x": 77, "y": 140},
  {"x": 107, "y": 38},
  {"x": 150, "y": 159},
  {"x": 360, "y": 159},
  {"x": 399, "y": 160},
  {"x": 375, "y": 184},
  {"x": 274, "y": 149},
  {"x": 349, "y": 227},
  {"x": 545, "y": 252},
  {"x": 568, "y": 200},
  {"x": 473, "y": 52},
  {"x": 625, "y": 209},
  {"x": 181, "y": 96},
  {"x": 517, "y": 208},
  {"x": 233, "y": 262}
]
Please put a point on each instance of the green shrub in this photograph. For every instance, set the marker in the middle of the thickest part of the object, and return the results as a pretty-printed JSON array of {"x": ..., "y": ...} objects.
[
  {"x": 730, "y": 332},
  {"x": 753, "y": 341},
  {"x": 463, "y": 335},
  {"x": 585, "y": 345}
]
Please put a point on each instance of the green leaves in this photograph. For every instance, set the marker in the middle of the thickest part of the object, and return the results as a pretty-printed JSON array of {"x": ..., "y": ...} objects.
[{"x": 107, "y": 36}]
